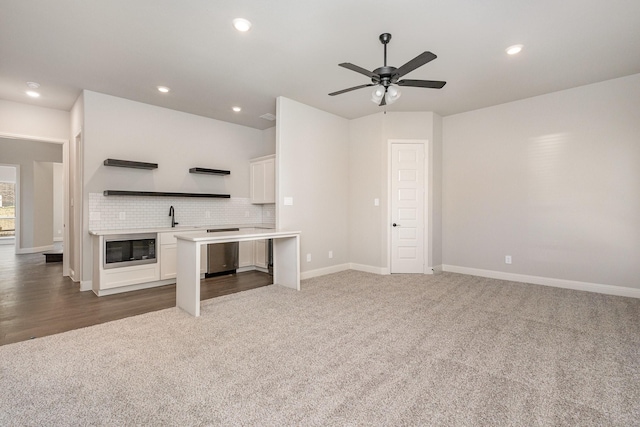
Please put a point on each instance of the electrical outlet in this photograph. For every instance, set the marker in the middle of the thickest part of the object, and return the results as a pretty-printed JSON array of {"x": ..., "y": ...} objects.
[
  {"x": 507, "y": 259},
  {"x": 246, "y": 214},
  {"x": 330, "y": 254},
  {"x": 207, "y": 214},
  {"x": 376, "y": 202},
  {"x": 122, "y": 216},
  {"x": 308, "y": 257}
]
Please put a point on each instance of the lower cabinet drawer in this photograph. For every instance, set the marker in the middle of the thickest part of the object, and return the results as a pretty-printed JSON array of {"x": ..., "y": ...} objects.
[{"x": 129, "y": 276}]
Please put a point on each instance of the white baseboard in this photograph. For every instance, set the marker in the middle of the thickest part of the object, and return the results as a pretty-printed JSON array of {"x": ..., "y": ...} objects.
[
  {"x": 546, "y": 281},
  {"x": 86, "y": 285},
  {"x": 7, "y": 241},
  {"x": 386, "y": 270},
  {"x": 34, "y": 250},
  {"x": 135, "y": 287},
  {"x": 368, "y": 268},
  {"x": 323, "y": 271}
]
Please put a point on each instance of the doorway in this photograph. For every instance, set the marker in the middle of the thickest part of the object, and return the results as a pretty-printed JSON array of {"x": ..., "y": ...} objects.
[
  {"x": 407, "y": 206},
  {"x": 38, "y": 169}
]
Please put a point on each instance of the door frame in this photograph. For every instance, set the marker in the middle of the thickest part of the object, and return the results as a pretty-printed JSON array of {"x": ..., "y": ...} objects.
[
  {"x": 65, "y": 167},
  {"x": 426, "y": 269}
]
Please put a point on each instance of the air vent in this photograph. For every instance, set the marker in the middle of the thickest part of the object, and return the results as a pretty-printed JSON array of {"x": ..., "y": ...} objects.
[{"x": 268, "y": 116}]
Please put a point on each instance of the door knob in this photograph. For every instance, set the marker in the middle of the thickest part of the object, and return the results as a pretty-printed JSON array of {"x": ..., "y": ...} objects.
[{"x": 396, "y": 225}]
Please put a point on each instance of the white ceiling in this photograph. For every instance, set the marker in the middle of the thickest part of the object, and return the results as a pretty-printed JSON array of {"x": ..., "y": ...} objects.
[{"x": 126, "y": 48}]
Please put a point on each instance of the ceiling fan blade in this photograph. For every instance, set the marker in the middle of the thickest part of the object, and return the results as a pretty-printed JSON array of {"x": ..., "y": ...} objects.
[
  {"x": 432, "y": 84},
  {"x": 416, "y": 62},
  {"x": 350, "y": 89},
  {"x": 360, "y": 70}
]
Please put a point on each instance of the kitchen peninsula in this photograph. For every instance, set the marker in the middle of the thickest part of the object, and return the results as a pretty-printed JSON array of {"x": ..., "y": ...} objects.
[{"x": 286, "y": 260}]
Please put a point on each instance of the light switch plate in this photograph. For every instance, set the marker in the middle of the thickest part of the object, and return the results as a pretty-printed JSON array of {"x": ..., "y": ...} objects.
[{"x": 288, "y": 201}]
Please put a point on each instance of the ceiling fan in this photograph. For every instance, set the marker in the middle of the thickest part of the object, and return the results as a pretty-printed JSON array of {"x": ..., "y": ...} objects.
[{"x": 386, "y": 78}]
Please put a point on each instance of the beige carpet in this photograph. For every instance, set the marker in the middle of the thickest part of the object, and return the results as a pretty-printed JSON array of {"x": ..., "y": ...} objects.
[{"x": 349, "y": 349}]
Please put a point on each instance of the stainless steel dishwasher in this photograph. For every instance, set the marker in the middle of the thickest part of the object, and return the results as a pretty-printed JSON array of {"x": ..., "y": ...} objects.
[{"x": 222, "y": 257}]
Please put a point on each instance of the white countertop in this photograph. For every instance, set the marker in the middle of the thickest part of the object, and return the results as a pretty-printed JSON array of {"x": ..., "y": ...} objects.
[
  {"x": 180, "y": 228},
  {"x": 235, "y": 236}
]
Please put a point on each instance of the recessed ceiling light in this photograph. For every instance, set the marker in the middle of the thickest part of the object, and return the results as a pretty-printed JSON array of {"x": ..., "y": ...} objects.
[
  {"x": 241, "y": 24},
  {"x": 163, "y": 89},
  {"x": 512, "y": 50},
  {"x": 237, "y": 109},
  {"x": 33, "y": 94}
]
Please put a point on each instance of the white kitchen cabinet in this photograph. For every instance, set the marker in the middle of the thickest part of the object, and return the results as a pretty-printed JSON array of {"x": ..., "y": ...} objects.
[
  {"x": 245, "y": 254},
  {"x": 260, "y": 253},
  {"x": 106, "y": 280},
  {"x": 263, "y": 179},
  {"x": 169, "y": 255}
]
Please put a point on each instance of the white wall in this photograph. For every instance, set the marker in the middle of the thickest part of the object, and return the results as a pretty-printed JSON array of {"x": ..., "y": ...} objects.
[
  {"x": 269, "y": 140},
  {"x": 312, "y": 168},
  {"x": 122, "y": 129},
  {"x": 43, "y": 204},
  {"x": 553, "y": 181},
  {"x": 33, "y": 122},
  {"x": 58, "y": 201},
  {"x": 367, "y": 181},
  {"x": 369, "y": 225}
]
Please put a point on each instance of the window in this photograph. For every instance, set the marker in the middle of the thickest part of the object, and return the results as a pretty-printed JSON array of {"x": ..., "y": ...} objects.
[{"x": 7, "y": 209}]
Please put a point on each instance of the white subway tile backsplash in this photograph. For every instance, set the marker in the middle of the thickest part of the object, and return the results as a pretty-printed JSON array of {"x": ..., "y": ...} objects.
[{"x": 143, "y": 212}]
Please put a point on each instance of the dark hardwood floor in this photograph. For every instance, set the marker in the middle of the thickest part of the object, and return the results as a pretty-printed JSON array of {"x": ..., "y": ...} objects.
[{"x": 36, "y": 300}]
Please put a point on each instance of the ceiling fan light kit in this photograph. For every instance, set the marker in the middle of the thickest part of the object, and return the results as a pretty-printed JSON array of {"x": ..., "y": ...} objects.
[{"x": 387, "y": 78}]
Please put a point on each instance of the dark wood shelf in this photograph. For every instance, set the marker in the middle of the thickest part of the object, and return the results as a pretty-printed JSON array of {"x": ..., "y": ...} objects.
[
  {"x": 163, "y": 194},
  {"x": 209, "y": 171},
  {"x": 130, "y": 164}
]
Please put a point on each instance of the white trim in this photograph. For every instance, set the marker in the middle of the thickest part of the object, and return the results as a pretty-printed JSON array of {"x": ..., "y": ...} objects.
[
  {"x": 9, "y": 240},
  {"x": 86, "y": 285},
  {"x": 437, "y": 269},
  {"x": 322, "y": 271},
  {"x": 369, "y": 269},
  {"x": 32, "y": 138},
  {"x": 34, "y": 250},
  {"x": 547, "y": 281}
]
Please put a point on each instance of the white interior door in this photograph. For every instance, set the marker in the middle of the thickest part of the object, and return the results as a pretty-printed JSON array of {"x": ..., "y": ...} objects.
[{"x": 407, "y": 207}]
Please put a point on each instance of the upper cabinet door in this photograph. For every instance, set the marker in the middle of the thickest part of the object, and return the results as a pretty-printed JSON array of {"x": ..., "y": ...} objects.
[{"x": 263, "y": 180}]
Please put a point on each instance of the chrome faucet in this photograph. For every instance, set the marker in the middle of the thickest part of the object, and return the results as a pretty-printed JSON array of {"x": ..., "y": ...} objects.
[{"x": 172, "y": 214}]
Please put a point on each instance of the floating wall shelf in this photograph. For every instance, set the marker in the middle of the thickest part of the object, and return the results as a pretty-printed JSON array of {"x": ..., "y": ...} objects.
[
  {"x": 130, "y": 164},
  {"x": 163, "y": 194},
  {"x": 209, "y": 171}
]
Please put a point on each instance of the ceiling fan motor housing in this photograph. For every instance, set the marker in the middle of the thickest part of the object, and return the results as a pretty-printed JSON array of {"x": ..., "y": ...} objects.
[{"x": 386, "y": 76}]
